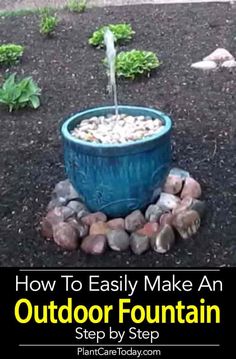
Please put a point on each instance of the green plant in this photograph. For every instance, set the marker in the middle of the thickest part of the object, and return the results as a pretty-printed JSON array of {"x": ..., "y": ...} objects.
[
  {"x": 48, "y": 22},
  {"x": 122, "y": 32},
  {"x": 10, "y": 53},
  {"x": 18, "y": 94},
  {"x": 76, "y": 5},
  {"x": 131, "y": 64}
]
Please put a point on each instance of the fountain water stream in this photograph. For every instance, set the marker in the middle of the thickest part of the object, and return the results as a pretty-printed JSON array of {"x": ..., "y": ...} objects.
[{"x": 111, "y": 60}]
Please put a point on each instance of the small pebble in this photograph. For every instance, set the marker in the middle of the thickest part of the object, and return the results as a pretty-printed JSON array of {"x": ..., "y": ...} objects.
[
  {"x": 95, "y": 244},
  {"x": 118, "y": 240},
  {"x": 139, "y": 243},
  {"x": 134, "y": 221},
  {"x": 116, "y": 129}
]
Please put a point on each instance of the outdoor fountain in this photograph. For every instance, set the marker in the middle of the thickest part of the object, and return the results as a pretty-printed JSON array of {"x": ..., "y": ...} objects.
[
  {"x": 118, "y": 192},
  {"x": 117, "y": 178}
]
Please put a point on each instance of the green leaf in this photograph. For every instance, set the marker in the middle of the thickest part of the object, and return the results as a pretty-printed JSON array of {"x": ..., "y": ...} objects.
[
  {"x": 133, "y": 63},
  {"x": 19, "y": 93},
  {"x": 35, "y": 101},
  {"x": 121, "y": 32},
  {"x": 9, "y": 82}
]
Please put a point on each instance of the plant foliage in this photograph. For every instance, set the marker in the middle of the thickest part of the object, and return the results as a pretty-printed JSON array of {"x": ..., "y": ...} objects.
[
  {"x": 131, "y": 64},
  {"x": 18, "y": 94},
  {"x": 10, "y": 53},
  {"x": 122, "y": 32},
  {"x": 76, "y": 5},
  {"x": 48, "y": 22}
]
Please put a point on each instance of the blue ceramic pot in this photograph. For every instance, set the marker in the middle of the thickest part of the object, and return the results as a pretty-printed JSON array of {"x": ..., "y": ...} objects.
[{"x": 117, "y": 179}]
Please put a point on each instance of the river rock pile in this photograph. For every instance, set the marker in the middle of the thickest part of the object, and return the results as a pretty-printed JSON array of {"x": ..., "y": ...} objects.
[
  {"x": 116, "y": 129},
  {"x": 177, "y": 213}
]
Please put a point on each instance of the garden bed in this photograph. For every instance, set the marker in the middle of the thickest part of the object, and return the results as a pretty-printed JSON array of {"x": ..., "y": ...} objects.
[{"x": 72, "y": 78}]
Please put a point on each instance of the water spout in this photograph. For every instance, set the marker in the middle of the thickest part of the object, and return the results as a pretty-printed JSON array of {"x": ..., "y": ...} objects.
[{"x": 111, "y": 60}]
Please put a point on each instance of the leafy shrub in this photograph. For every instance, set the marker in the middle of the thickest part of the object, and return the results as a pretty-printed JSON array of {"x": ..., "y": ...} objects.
[
  {"x": 18, "y": 94},
  {"x": 48, "y": 22},
  {"x": 76, "y": 5},
  {"x": 121, "y": 32},
  {"x": 10, "y": 53},
  {"x": 131, "y": 64}
]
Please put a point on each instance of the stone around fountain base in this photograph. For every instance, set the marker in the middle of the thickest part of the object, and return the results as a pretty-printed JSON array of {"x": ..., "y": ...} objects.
[{"x": 176, "y": 215}]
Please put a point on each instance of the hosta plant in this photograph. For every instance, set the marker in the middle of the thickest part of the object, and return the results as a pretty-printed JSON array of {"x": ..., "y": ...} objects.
[
  {"x": 131, "y": 64},
  {"x": 10, "y": 53},
  {"x": 122, "y": 32},
  {"x": 76, "y": 5},
  {"x": 18, "y": 94},
  {"x": 48, "y": 22}
]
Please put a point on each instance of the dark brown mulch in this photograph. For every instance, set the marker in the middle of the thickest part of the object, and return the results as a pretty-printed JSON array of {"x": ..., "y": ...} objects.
[{"x": 72, "y": 78}]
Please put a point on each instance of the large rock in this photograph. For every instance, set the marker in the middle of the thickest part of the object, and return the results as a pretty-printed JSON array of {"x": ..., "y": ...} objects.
[
  {"x": 99, "y": 228},
  {"x": 179, "y": 172},
  {"x": 118, "y": 240},
  {"x": 82, "y": 213},
  {"x": 188, "y": 203},
  {"x": 65, "y": 236},
  {"x": 199, "y": 207},
  {"x": 173, "y": 184},
  {"x": 168, "y": 201},
  {"x": 166, "y": 218},
  {"x": 186, "y": 223},
  {"x": 153, "y": 213},
  {"x": 77, "y": 206},
  {"x": 164, "y": 240},
  {"x": 219, "y": 55},
  {"x": 116, "y": 223},
  {"x": 93, "y": 218},
  {"x": 184, "y": 205},
  {"x": 65, "y": 191},
  {"x": 134, "y": 221},
  {"x": 149, "y": 229},
  {"x": 56, "y": 202},
  {"x": 53, "y": 217},
  {"x": 191, "y": 188},
  {"x": 81, "y": 228},
  {"x": 94, "y": 244},
  {"x": 139, "y": 243}
]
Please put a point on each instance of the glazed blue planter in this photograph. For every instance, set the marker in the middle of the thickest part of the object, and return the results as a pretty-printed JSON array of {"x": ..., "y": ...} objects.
[{"x": 117, "y": 179}]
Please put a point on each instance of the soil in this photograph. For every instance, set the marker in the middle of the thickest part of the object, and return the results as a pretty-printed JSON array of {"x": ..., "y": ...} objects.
[{"x": 70, "y": 73}]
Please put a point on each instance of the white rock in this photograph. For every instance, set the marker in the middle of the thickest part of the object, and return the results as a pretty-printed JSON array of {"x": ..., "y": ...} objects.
[
  {"x": 229, "y": 63},
  {"x": 219, "y": 55},
  {"x": 205, "y": 65}
]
